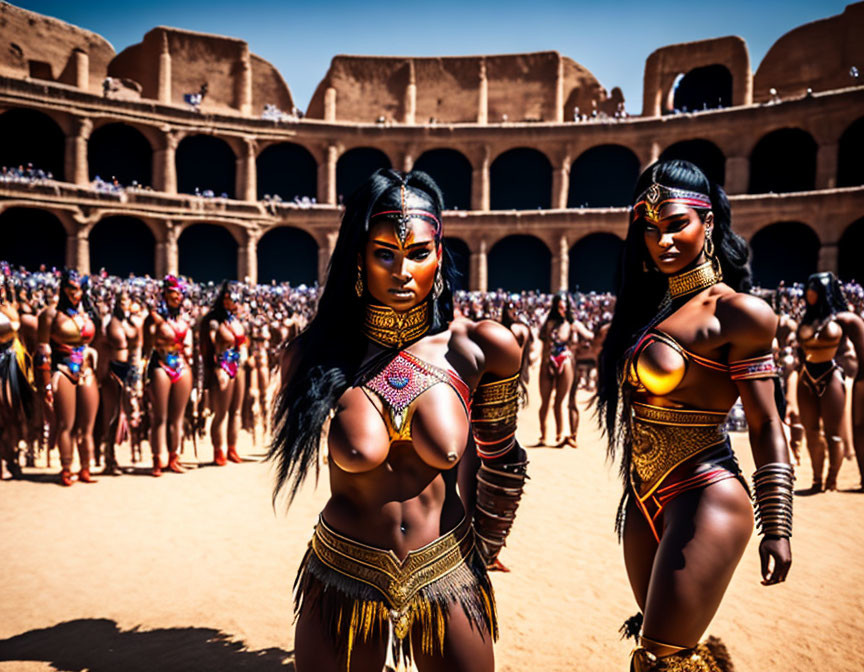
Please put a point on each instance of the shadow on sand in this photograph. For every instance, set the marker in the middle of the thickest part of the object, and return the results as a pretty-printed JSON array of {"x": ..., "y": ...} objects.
[{"x": 98, "y": 645}]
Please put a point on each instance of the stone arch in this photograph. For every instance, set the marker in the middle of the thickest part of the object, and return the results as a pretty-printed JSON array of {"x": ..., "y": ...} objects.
[
  {"x": 704, "y": 88},
  {"x": 460, "y": 254},
  {"x": 354, "y": 168},
  {"x": 603, "y": 176},
  {"x": 122, "y": 245},
  {"x": 288, "y": 254},
  {"x": 594, "y": 263},
  {"x": 850, "y": 149},
  {"x": 452, "y": 171},
  {"x": 207, "y": 252},
  {"x": 787, "y": 251},
  {"x": 850, "y": 261},
  {"x": 205, "y": 162},
  {"x": 520, "y": 262},
  {"x": 122, "y": 151},
  {"x": 521, "y": 179},
  {"x": 32, "y": 137},
  {"x": 782, "y": 161},
  {"x": 707, "y": 156},
  {"x": 287, "y": 170},
  {"x": 32, "y": 237}
]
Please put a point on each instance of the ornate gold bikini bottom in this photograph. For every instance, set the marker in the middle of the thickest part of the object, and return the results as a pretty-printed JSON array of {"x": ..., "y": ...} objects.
[
  {"x": 666, "y": 438},
  {"x": 359, "y": 590}
]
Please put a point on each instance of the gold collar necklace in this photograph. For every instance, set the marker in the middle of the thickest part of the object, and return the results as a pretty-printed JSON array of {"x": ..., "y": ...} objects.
[
  {"x": 386, "y": 327},
  {"x": 696, "y": 279}
]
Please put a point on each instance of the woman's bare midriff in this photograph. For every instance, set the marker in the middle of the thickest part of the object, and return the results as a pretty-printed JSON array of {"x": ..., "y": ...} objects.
[{"x": 403, "y": 504}]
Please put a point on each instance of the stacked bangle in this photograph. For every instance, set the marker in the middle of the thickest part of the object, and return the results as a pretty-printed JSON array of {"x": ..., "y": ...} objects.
[{"x": 772, "y": 492}]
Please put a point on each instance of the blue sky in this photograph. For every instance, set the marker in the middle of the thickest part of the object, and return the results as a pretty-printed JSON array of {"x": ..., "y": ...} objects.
[{"x": 612, "y": 39}]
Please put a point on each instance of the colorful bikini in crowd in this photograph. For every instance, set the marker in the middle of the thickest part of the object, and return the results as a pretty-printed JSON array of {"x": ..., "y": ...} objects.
[
  {"x": 67, "y": 355},
  {"x": 230, "y": 358}
]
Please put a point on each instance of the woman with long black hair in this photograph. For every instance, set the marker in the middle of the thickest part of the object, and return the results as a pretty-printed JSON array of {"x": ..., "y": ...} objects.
[
  {"x": 224, "y": 352},
  {"x": 821, "y": 387},
  {"x": 556, "y": 365},
  {"x": 685, "y": 342},
  {"x": 396, "y": 554}
]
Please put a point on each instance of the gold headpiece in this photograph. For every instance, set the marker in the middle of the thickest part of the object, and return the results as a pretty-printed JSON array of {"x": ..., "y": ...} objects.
[
  {"x": 384, "y": 326},
  {"x": 704, "y": 275},
  {"x": 657, "y": 195}
]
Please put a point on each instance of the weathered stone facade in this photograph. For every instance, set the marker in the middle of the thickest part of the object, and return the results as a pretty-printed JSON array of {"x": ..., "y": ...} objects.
[{"x": 476, "y": 108}]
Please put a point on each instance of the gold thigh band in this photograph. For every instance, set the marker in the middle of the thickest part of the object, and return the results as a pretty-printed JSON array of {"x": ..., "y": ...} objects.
[{"x": 664, "y": 438}]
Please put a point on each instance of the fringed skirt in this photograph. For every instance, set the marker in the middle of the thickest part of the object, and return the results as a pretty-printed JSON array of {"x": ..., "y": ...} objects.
[
  {"x": 16, "y": 380},
  {"x": 364, "y": 592}
]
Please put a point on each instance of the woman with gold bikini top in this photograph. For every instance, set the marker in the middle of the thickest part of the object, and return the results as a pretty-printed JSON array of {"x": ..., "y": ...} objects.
[
  {"x": 224, "y": 351},
  {"x": 68, "y": 376},
  {"x": 821, "y": 389},
  {"x": 399, "y": 551},
  {"x": 169, "y": 376},
  {"x": 683, "y": 345}
]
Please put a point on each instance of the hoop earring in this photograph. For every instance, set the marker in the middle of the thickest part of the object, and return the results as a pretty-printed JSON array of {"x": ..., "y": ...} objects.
[
  {"x": 709, "y": 244},
  {"x": 359, "y": 288},
  {"x": 438, "y": 287}
]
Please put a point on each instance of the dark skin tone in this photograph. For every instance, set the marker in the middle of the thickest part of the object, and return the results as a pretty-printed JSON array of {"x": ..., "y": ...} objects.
[
  {"x": 74, "y": 404},
  {"x": 404, "y": 496},
  {"x": 679, "y": 583},
  {"x": 122, "y": 336},
  {"x": 12, "y": 421},
  {"x": 829, "y": 408},
  {"x": 551, "y": 379},
  {"x": 167, "y": 400}
]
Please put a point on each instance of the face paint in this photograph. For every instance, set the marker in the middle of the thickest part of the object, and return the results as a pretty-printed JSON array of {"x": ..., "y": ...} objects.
[{"x": 400, "y": 274}]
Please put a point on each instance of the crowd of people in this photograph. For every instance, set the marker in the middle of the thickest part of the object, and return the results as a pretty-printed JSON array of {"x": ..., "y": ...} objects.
[
  {"x": 93, "y": 361},
  {"x": 564, "y": 331},
  {"x": 433, "y": 474}
]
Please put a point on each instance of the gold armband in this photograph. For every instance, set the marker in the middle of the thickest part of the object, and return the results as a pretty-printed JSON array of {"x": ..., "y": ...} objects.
[{"x": 493, "y": 416}]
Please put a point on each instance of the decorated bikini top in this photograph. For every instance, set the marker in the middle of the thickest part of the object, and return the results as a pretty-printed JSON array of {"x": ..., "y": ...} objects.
[
  {"x": 402, "y": 382},
  {"x": 81, "y": 334},
  {"x": 661, "y": 375},
  {"x": 817, "y": 338}
]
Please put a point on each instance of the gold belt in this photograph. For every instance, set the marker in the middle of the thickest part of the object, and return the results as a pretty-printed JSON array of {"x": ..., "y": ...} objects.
[
  {"x": 398, "y": 581},
  {"x": 664, "y": 438}
]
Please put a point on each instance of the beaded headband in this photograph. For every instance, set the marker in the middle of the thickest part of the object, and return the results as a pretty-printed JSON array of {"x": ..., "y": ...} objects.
[
  {"x": 411, "y": 206},
  {"x": 657, "y": 195}
]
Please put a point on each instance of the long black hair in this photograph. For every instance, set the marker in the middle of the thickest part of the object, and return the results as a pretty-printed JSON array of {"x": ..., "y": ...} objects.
[
  {"x": 831, "y": 298},
  {"x": 69, "y": 277},
  {"x": 554, "y": 316},
  {"x": 327, "y": 356},
  {"x": 640, "y": 291}
]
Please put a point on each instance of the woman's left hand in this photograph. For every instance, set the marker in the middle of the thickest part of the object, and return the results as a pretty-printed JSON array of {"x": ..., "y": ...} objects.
[{"x": 778, "y": 550}]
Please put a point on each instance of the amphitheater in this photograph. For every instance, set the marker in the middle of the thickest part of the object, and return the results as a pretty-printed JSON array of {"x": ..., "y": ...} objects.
[{"x": 535, "y": 158}]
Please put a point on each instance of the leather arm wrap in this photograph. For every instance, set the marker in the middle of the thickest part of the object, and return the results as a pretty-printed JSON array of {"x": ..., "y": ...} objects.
[
  {"x": 493, "y": 416},
  {"x": 772, "y": 492},
  {"x": 499, "y": 489}
]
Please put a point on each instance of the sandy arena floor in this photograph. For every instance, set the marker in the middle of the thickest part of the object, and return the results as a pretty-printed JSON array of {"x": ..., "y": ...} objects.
[{"x": 194, "y": 572}]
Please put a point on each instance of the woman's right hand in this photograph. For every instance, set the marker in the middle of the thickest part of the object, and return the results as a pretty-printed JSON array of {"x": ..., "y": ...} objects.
[{"x": 791, "y": 414}]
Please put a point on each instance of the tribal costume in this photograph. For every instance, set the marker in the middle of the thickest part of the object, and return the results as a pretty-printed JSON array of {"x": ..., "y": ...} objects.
[
  {"x": 671, "y": 448},
  {"x": 362, "y": 591}
]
